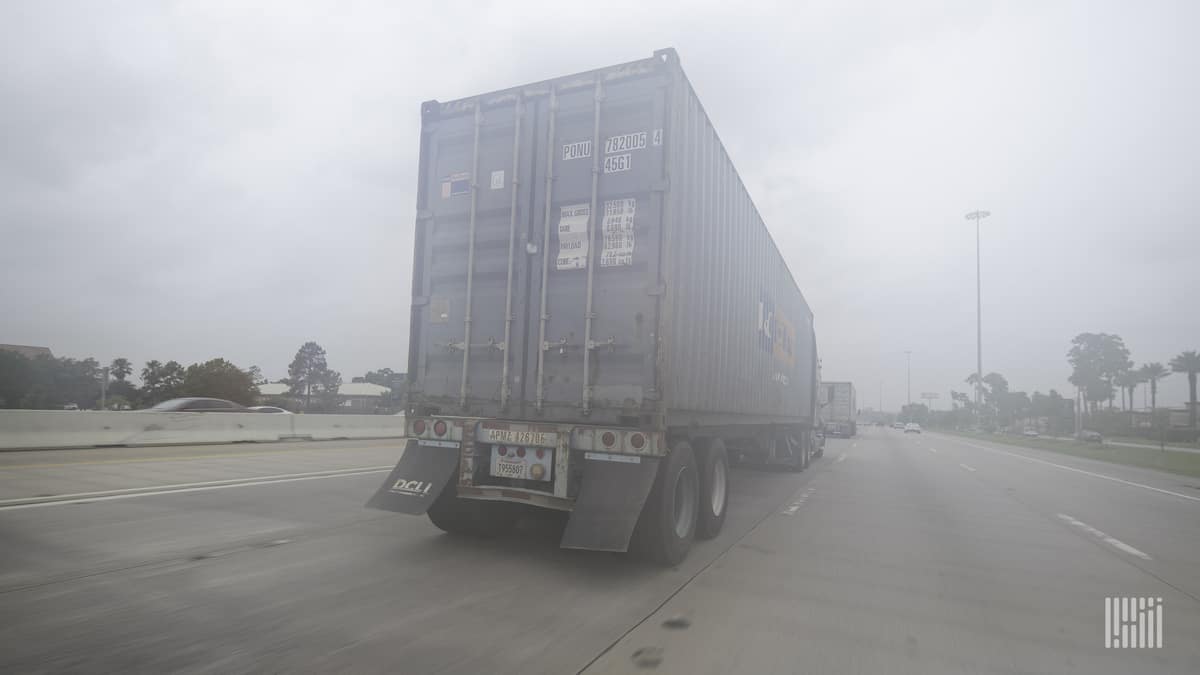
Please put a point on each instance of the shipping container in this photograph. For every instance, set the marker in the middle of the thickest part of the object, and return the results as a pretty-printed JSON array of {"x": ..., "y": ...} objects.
[{"x": 589, "y": 267}]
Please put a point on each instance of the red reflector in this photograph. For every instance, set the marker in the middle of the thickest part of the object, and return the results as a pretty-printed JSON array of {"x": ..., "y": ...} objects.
[
  {"x": 541, "y": 453},
  {"x": 419, "y": 427},
  {"x": 503, "y": 451},
  {"x": 520, "y": 452},
  {"x": 439, "y": 428},
  {"x": 637, "y": 441},
  {"x": 608, "y": 439}
]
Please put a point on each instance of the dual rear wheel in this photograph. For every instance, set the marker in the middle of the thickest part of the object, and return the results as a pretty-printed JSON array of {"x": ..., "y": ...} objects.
[{"x": 689, "y": 500}]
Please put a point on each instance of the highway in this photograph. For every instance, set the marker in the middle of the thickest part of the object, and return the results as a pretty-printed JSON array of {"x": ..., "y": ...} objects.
[{"x": 893, "y": 554}]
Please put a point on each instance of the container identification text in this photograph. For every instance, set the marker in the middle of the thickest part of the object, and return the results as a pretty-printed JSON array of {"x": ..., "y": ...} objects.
[
  {"x": 577, "y": 150},
  {"x": 617, "y": 163},
  {"x": 634, "y": 141}
]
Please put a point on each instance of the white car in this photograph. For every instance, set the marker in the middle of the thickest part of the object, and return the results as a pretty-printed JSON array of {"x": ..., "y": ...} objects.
[
  {"x": 898, "y": 425},
  {"x": 270, "y": 409},
  {"x": 912, "y": 428}
]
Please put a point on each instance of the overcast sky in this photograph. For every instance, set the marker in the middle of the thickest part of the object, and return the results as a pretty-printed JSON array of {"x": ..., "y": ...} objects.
[{"x": 188, "y": 180}]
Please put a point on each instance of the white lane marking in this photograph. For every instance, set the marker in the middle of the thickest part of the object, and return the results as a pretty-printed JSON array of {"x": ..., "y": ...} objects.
[
  {"x": 795, "y": 506},
  {"x": 841, "y": 458},
  {"x": 129, "y": 493},
  {"x": 1086, "y": 473},
  {"x": 1111, "y": 541},
  {"x": 971, "y": 469}
]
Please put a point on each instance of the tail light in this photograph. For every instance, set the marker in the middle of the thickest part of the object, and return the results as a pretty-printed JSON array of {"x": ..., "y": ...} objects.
[
  {"x": 608, "y": 439},
  {"x": 503, "y": 451},
  {"x": 439, "y": 428},
  {"x": 638, "y": 441},
  {"x": 419, "y": 427},
  {"x": 520, "y": 452},
  {"x": 541, "y": 453}
]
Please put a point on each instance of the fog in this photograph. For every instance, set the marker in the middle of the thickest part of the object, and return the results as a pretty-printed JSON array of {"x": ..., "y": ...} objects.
[{"x": 188, "y": 180}]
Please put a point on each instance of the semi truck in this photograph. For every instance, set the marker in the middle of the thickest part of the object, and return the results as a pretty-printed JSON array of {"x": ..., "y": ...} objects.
[
  {"x": 600, "y": 320},
  {"x": 839, "y": 409}
]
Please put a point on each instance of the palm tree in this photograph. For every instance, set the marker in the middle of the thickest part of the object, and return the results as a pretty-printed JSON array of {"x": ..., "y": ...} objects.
[
  {"x": 1189, "y": 362},
  {"x": 121, "y": 368},
  {"x": 1128, "y": 382},
  {"x": 1153, "y": 372},
  {"x": 980, "y": 388},
  {"x": 1119, "y": 380}
]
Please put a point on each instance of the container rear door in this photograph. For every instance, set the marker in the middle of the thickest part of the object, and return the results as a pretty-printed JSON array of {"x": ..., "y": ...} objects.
[
  {"x": 473, "y": 209},
  {"x": 620, "y": 243}
]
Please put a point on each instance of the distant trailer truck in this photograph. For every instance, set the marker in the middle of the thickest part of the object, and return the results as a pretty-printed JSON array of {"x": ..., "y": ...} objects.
[
  {"x": 839, "y": 409},
  {"x": 600, "y": 319}
]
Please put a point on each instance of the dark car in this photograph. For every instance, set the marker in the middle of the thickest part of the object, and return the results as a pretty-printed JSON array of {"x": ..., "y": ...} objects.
[
  {"x": 1089, "y": 436},
  {"x": 199, "y": 405}
]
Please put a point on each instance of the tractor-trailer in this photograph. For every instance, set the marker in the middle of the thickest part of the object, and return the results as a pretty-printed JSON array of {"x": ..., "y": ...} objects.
[
  {"x": 600, "y": 320},
  {"x": 839, "y": 409}
]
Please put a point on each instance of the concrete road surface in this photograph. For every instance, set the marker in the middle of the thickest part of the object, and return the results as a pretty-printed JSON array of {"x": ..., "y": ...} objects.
[{"x": 893, "y": 554}]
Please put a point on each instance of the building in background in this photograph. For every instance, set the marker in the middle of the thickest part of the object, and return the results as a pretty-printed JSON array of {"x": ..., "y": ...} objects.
[
  {"x": 28, "y": 351},
  {"x": 353, "y": 397}
]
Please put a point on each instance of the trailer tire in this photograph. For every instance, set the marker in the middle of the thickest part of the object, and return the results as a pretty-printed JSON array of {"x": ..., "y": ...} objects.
[
  {"x": 471, "y": 517},
  {"x": 667, "y": 524},
  {"x": 714, "y": 487}
]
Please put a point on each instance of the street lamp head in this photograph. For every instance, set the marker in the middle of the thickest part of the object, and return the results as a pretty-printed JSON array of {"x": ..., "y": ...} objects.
[{"x": 978, "y": 215}]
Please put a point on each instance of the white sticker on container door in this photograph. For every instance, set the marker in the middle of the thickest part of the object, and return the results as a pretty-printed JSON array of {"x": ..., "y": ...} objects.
[
  {"x": 617, "y": 227},
  {"x": 573, "y": 237},
  {"x": 456, "y": 184}
]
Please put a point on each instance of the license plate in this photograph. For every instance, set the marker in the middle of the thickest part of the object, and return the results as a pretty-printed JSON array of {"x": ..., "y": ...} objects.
[
  {"x": 513, "y": 437},
  {"x": 512, "y": 465}
]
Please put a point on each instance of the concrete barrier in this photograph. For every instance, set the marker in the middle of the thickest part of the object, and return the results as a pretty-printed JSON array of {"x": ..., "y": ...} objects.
[{"x": 45, "y": 429}]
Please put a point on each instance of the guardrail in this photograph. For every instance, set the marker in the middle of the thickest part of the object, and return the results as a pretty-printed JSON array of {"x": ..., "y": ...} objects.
[{"x": 47, "y": 429}]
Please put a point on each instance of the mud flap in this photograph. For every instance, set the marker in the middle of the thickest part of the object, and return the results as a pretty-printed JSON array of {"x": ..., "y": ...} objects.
[
  {"x": 420, "y": 476},
  {"x": 610, "y": 501}
]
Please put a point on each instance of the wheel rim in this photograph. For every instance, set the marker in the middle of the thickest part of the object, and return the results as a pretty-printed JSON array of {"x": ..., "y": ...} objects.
[
  {"x": 718, "y": 488},
  {"x": 685, "y": 503}
]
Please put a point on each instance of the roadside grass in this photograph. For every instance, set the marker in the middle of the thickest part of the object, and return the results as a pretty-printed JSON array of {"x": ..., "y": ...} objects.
[
  {"x": 1151, "y": 441},
  {"x": 1184, "y": 463}
]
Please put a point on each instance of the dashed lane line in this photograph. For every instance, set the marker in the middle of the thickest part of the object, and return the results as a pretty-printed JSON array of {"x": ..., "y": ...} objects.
[{"x": 1111, "y": 541}]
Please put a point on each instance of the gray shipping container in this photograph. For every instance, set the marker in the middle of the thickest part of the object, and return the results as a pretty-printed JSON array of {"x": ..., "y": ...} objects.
[
  {"x": 839, "y": 402},
  {"x": 587, "y": 253}
]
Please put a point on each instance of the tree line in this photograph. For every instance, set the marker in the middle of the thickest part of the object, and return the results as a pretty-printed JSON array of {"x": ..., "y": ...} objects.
[
  {"x": 54, "y": 383},
  {"x": 1101, "y": 368}
]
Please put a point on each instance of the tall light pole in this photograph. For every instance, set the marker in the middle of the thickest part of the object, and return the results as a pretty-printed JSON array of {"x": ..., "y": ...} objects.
[
  {"x": 908, "y": 366},
  {"x": 978, "y": 216}
]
